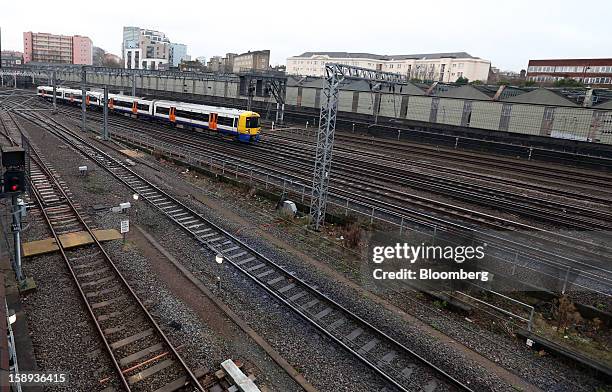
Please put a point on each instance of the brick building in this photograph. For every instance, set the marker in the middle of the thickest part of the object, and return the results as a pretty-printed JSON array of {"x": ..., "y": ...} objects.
[
  {"x": 592, "y": 72},
  {"x": 52, "y": 48}
]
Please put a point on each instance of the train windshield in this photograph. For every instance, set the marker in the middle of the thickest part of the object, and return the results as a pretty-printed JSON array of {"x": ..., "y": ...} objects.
[{"x": 252, "y": 122}]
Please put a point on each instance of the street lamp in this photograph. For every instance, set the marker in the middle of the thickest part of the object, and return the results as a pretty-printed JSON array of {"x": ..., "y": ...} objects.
[{"x": 135, "y": 196}]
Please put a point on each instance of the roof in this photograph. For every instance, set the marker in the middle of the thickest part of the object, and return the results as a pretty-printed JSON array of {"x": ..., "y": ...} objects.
[
  {"x": 541, "y": 96},
  {"x": 605, "y": 105},
  {"x": 351, "y": 55},
  {"x": 465, "y": 92}
]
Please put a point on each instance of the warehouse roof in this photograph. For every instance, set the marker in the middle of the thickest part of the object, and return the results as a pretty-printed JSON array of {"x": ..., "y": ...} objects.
[
  {"x": 605, "y": 105},
  {"x": 465, "y": 92},
  {"x": 351, "y": 55},
  {"x": 541, "y": 96}
]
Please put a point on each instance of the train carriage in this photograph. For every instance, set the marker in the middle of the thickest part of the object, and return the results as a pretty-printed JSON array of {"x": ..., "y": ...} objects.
[
  {"x": 133, "y": 105},
  {"x": 94, "y": 98},
  {"x": 239, "y": 124},
  {"x": 47, "y": 92},
  {"x": 72, "y": 96}
]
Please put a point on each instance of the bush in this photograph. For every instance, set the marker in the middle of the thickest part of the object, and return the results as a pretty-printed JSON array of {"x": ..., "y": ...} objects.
[{"x": 352, "y": 235}]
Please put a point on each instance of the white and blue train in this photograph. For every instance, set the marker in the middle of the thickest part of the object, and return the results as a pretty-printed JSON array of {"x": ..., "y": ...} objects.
[{"x": 242, "y": 125}]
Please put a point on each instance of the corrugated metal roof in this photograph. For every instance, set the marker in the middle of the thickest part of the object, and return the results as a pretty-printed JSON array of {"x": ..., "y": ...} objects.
[
  {"x": 605, "y": 105},
  {"x": 465, "y": 92},
  {"x": 541, "y": 96}
]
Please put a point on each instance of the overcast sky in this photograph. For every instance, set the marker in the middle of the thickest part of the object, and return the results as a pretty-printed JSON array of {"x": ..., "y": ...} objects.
[{"x": 506, "y": 33}]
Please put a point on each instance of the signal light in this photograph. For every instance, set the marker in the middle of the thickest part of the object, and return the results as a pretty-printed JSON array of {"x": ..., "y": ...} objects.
[{"x": 14, "y": 181}]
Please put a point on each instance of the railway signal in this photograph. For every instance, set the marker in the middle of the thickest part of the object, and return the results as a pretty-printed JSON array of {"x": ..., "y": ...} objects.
[
  {"x": 13, "y": 161},
  {"x": 14, "y": 181}
]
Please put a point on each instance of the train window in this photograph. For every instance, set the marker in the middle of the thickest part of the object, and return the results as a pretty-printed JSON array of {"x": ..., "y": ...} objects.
[
  {"x": 185, "y": 114},
  {"x": 142, "y": 106},
  {"x": 193, "y": 115},
  {"x": 200, "y": 117},
  {"x": 122, "y": 104},
  {"x": 228, "y": 121},
  {"x": 252, "y": 122},
  {"x": 162, "y": 110}
]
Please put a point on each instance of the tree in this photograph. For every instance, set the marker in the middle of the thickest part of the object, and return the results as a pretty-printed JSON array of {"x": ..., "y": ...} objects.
[
  {"x": 462, "y": 80},
  {"x": 568, "y": 82},
  {"x": 111, "y": 61},
  {"x": 476, "y": 82}
]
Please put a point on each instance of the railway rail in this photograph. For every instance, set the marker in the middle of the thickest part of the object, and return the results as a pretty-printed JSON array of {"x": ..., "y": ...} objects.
[
  {"x": 143, "y": 357},
  {"x": 537, "y": 151},
  {"x": 394, "y": 361},
  {"x": 377, "y": 183},
  {"x": 352, "y": 181},
  {"x": 570, "y": 255},
  {"x": 398, "y": 155},
  {"x": 353, "y": 166},
  {"x": 389, "y": 180}
]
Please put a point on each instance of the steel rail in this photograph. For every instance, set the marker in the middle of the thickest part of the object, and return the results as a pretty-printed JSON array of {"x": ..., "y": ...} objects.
[
  {"x": 159, "y": 197},
  {"x": 37, "y": 159},
  {"x": 402, "y": 210},
  {"x": 567, "y": 261}
]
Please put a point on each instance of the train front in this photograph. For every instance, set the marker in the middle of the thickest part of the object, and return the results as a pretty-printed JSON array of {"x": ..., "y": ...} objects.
[{"x": 249, "y": 127}]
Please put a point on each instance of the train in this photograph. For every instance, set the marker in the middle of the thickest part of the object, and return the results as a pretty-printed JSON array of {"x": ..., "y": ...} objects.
[{"x": 241, "y": 125}]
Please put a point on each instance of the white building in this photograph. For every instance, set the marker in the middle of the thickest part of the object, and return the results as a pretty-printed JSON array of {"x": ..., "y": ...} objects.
[
  {"x": 151, "y": 50},
  {"x": 178, "y": 53},
  {"x": 443, "y": 67}
]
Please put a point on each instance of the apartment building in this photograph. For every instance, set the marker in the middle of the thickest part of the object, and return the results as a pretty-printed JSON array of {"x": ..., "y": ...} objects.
[
  {"x": 145, "y": 48},
  {"x": 587, "y": 71},
  {"x": 256, "y": 60},
  {"x": 178, "y": 53},
  {"x": 443, "y": 67},
  {"x": 52, "y": 48}
]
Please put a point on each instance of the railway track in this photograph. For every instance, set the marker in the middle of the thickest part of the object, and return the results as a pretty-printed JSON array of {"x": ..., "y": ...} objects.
[
  {"x": 376, "y": 181},
  {"x": 565, "y": 175},
  {"x": 435, "y": 140},
  {"x": 143, "y": 357},
  {"x": 560, "y": 252},
  {"x": 384, "y": 177},
  {"x": 391, "y": 359},
  {"x": 352, "y": 182},
  {"x": 389, "y": 180},
  {"x": 8, "y": 129},
  {"x": 395, "y": 158}
]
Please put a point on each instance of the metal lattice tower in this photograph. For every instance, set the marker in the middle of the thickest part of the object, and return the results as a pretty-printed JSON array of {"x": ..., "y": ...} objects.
[
  {"x": 334, "y": 76},
  {"x": 325, "y": 144}
]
